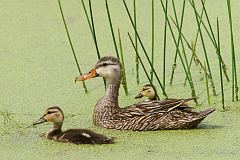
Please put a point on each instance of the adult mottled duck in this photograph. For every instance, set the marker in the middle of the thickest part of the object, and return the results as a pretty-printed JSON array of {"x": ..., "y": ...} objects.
[
  {"x": 77, "y": 136},
  {"x": 143, "y": 116}
]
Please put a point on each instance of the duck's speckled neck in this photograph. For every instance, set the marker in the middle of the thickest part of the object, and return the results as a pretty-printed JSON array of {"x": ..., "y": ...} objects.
[
  {"x": 110, "y": 99},
  {"x": 111, "y": 93}
]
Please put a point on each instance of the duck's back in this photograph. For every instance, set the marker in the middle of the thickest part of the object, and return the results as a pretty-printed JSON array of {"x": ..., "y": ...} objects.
[{"x": 156, "y": 115}]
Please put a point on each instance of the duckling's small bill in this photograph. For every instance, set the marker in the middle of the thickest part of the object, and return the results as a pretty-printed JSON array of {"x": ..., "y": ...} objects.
[
  {"x": 39, "y": 121},
  {"x": 139, "y": 96}
]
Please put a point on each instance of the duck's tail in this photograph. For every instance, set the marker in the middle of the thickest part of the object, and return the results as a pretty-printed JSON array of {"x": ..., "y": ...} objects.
[
  {"x": 200, "y": 116},
  {"x": 206, "y": 112}
]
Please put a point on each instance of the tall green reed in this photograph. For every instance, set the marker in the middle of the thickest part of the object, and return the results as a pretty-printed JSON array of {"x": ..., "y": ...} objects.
[
  {"x": 144, "y": 50},
  {"x": 142, "y": 64},
  {"x": 224, "y": 67},
  {"x": 165, "y": 45},
  {"x": 70, "y": 42},
  {"x": 207, "y": 87},
  {"x": 136, "y": 41},
  {"x": 204, "y": 48},
  {"x": 92, "y": 29},
  {"x": 176, "y": 42},
  {"x": 152, "y": 60},
  {"x": 112, "y": 31},
  {"x": 124, "y": 80},
  {"x": 234, "y": 66},
  {"x": 220, "y": 63}
]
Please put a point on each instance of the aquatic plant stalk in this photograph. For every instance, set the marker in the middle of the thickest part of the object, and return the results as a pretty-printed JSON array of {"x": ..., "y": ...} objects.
[
  {"x": 152, "y": 60},
  {"x": 144, "y": 50},
  {"x": 207, "y": 87},
  {"x": 174, "y": 66},
  {"x": 179, "y": 28},
  {"x": 70, "y": 42},
  {"x": 234, "y": 66},
  {"x": 224, "y": 67},
  {"x": 124, "y": 80},
  {"x": 165, "y": 45},
  {"x": 111, "y": 27},
  {"x": 204, "y": 49},
  {"x": 92, "y": 27},
  {"x": 192, "y": 47},
  {"x": 136, "y": 41},
  {"x": 144, "y": 69},
  {"x": 176, "y": 44},
  {"x": 180, "y": 41},
  {"x": 220, "y": 63},
  {"x": 87, "y": 17}
]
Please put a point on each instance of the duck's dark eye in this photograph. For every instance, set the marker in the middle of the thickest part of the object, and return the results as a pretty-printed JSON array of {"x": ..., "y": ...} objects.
[
  {"x": 49, "y": 112},
  {"x": 104, "y": 64}
]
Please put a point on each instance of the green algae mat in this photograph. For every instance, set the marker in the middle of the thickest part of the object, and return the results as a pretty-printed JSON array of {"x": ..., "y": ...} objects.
[{"x": 38, "y": 70}]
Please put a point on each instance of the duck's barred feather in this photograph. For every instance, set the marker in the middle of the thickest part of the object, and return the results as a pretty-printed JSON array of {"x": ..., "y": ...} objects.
[{"x": 154, "y": 115}]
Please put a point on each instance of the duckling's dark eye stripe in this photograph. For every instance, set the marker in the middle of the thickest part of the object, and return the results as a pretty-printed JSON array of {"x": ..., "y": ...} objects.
[{"x": 50, "y": 112}]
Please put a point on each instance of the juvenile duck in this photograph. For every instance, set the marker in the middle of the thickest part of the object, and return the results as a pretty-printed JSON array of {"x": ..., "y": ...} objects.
[
  {"x": 76, "y": 136},
  {"x": 150, "y": 115},
  {"x": 148, "y": 91}
]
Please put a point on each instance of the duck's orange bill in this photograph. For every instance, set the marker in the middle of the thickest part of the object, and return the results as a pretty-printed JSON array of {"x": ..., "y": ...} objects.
[{"x": 86, "y": 76}]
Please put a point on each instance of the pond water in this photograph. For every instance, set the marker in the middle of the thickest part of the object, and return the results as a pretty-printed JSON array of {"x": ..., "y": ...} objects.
[{"x": 38, "y": 70}]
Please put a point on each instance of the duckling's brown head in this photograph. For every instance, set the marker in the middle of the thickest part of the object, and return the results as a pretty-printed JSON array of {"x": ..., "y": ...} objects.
[
  {"x": 52, "y": 114},
  {"x": 108, "y": 67},
  {"x": 147, "y": 91}
]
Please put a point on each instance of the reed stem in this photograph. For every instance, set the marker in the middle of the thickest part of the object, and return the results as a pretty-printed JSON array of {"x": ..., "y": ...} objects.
[
  {"x": 234, "y": 67},
  {"x": 94, "y": 35},
  {"x": 224, "y": 67},
  {"x": 177, "y": 47},
  {"x": 111, "y": 27},
  {"x": 165, "y": 45},
  {"x": 70, "y": 42},
  {"x": 220, "y": 62},
  {"x": 152, "y": 60},
  {"x": 144, "y": 50},
  {"x": 204, "y": 49},
  {"x": 124, "y": 80},
  {"x": 144, "y": 69},
  {"x": 207, "y": 87},
  {"x": 136, "y": 41}
]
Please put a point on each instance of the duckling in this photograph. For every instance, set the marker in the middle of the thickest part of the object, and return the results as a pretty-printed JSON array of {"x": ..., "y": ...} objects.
[
  {"x": 148, "y": 91},
  {"x": 77, "y": 136}
]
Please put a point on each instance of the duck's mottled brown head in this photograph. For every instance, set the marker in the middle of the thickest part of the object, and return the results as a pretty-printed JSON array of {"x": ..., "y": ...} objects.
[
  {"x": 147, "y": 91},
  {"x": 108, "y": 67},
  {"x": 52, "y": 114}
]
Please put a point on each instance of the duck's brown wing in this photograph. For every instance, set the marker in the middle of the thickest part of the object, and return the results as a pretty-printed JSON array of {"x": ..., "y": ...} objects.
[
  {"x": 152, "y": 107},
  {"x": 83, "y": 136}
]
